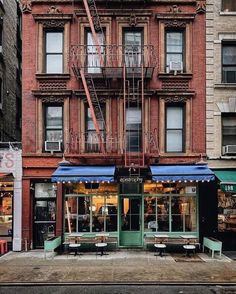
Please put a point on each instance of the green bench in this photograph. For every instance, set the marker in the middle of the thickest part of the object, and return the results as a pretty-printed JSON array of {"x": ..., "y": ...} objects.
[
  {"x": 51, "y": 244},
  {"x": 212, "y": 244}
]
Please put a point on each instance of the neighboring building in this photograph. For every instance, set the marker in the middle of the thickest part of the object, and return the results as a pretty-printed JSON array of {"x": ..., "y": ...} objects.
[
  {"x": 221, "y": 111},
  {"x": 10, "y": 71},
  {"x": 10, "y": 124},
  {"x": 114, "y": 120},
  {"x": 10, "y": 194}
]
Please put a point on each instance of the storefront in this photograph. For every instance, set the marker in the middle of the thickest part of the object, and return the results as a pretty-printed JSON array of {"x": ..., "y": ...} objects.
[
  {"x": 10, "y": 197},
  {"x": 226, "y": 193},
  {"x": 99, "y": 198}
]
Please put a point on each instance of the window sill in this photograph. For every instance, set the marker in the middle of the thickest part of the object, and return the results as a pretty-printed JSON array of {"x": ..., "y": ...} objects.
[
  {"x": 228, "y": 13},
  {"x": 225, "y": 85},
  {"x": 227, "y": 157},
  {"x": 43, "y": 76},
  {"x": 164, "y": 75}
]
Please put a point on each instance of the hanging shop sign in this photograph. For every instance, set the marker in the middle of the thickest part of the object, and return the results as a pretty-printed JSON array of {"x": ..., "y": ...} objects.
[{"x": 229, "y": 188}]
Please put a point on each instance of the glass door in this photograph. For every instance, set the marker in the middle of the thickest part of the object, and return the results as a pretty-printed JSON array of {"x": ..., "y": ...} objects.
[
  {"x": 130, "y": 221},
  {"x": 44, "y": 221},
  {"x": 44, "y": 213}
]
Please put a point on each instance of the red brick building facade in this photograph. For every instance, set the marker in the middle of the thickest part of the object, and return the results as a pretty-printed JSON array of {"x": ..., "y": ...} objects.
[{"x": 144, "y": 74}]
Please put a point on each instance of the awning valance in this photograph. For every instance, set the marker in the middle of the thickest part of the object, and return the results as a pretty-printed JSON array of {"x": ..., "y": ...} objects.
[
  {"x": 182, "y": 173},
  {"x": 227, "y": 180},
  {"x": 84, "y": 174},
  {"x": 6, "y": 177}
]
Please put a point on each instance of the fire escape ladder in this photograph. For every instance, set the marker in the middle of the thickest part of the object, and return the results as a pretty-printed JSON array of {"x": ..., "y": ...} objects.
[
  {"x": 87, "y": 81},
  {"x": 134, "y": 99}
]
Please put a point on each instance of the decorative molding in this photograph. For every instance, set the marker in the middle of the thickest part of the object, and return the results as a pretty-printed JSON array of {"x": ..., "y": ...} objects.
[
  {"x": 54, "y": 10},
  {"x": 174, "y": 9},
  {"x": 52, "y": 23},
  {"x": 52, "y": 93},
  {"x": 175, "y": 84},
  {"x": 201, "y": 6},
  {"x": 227, "y": 106},
  {"x": 52, "y": 85},
  {"x": 100, "y": 99},
  {"x": 175, "y": 99},
  {"x": 127, "y": 19},
  {"x": 53, "y": 17},
  {"x": 26, "y": 6},
  {"x": 133, "y": 20},
  {"x": 52, "y": 99},
  {"x": 174, "y": 23}
]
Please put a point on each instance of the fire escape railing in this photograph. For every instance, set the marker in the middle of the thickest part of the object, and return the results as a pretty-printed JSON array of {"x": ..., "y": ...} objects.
[{"x": 114, "y": 56}]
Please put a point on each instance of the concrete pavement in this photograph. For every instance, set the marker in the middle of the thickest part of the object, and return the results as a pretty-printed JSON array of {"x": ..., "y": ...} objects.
[{"x": 127, "y": 266}]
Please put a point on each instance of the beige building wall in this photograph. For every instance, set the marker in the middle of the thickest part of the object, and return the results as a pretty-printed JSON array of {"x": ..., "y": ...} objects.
[{"x": 220, "y": 97}]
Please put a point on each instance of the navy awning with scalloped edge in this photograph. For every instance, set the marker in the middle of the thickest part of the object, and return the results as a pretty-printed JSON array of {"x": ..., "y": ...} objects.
[
  {"x": 84, "y": 174},
  {"x": 182, "y": 173}
]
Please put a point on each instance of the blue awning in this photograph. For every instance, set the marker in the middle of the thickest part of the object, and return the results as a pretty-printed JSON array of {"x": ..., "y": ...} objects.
[
  {"x": 84, "y": 174},
  {"x": 182, "y": 173}
]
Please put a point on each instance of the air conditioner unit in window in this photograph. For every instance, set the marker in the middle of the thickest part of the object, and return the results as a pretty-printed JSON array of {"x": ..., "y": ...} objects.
[
  {"x": 52, "y": 146},
  {"x": 229, "y": 150},
  {"x": 176, "y": 66}
]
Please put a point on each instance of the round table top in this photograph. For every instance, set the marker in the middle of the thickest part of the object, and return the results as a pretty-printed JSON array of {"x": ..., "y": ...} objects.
[
  {"x": 102, "y": 244},
  {"x": 160, "y": 245},
  {"x": 189, "y": 246},
  {"x": 74, "y": 245}
]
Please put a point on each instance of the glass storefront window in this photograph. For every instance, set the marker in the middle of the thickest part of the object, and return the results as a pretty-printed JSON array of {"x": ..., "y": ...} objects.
[
  {"x": 6, "y": 197},
  {"x": 170, "y": 207},
  {"x": 95, "y": 212},
  {"x": 226, "y": 212}
]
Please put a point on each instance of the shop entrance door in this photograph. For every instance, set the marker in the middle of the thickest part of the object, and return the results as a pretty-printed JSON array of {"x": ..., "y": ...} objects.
[
  {"x": 130, "y": 221},
  {"x": 44, "y": 220}
]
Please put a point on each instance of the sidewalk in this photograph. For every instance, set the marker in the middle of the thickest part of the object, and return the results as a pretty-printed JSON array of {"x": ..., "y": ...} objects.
[{"x": 128, "y": 266}]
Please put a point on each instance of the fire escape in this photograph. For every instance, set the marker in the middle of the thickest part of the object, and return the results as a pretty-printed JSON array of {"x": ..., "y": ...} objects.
[{"x": 132, "y": 66}]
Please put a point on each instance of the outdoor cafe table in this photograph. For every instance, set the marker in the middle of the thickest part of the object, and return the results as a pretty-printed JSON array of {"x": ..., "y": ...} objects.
[
  {"x": 188, "y": 247},
  {"x": 101, "y": 244}
]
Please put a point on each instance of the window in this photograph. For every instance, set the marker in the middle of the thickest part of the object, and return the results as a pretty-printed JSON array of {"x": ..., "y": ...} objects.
[
  {"x": 174, "y": 129},
  {"x": 54, "y": 52},
  {"x": 133, "y": 129},
  {"x": 53, "y": 123},
  {"x": 174, "y": 49},
  {"x": 228, "y": 5},
  {"x": 93, "y": 212},
  {"x": 133, "y": 42},
  {"x": 93, "y": 58},
  {"x": 91, "y": 137},
  {"x": 228, "y": 130},
  {"x": 226, "y": 211},
  {"x": 170, "y": 207},
  {"x": 229, "y": 63}
]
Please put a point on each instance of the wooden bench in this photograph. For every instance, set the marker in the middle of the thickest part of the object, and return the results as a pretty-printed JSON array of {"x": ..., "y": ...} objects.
[
  {"x": 51, "y": 244},
  {"x": 212, "y": 244},
  {"x": 91, "y": 241},
  {"x": 175, "y": 241}
]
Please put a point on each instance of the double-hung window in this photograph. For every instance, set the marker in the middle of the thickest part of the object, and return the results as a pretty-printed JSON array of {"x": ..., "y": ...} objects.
[
  {"x": 94, "y": 59},
  {"x": 228, "y": 5},
  {"x": 228, "y": 130},
  {"x": 174, "y": 50},
  {"x": 53, "y": 123},
  {"x": 133, "y": 42},
  {"x": 229, "y": 63},
  {"x": 133, "y": 129},
  {"x": 175, "y": 129},
  {"x": 54, "y": 52},
  {"x": 91, "y": 137}
]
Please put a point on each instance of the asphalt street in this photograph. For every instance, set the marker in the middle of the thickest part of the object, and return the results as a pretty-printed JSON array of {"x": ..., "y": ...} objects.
[{"x": 117, "y": 289}]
